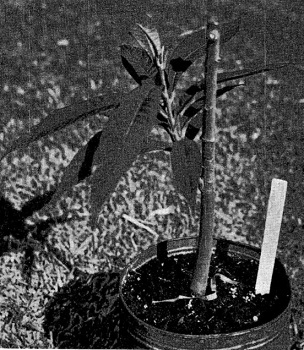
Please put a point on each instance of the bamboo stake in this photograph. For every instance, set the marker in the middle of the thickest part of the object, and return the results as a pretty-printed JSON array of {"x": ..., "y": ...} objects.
[
  {"x": 271, "y": 236},
  {"x": 201, "y": 272}
]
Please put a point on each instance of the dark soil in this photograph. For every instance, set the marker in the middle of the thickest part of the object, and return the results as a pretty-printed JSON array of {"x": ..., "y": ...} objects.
[{"x": 235, "y": 308}]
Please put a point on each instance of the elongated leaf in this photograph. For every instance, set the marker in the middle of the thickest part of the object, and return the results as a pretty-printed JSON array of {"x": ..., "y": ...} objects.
[
  {"x": 79, "y": 168},
  {"x": 198, "y": 105},
  {"x": 222, "y": 91},
  {"x": 222, "y": 78},
  {"x": 199, "y": 88},
  {"x": 186, "y": 163},
  {"x": 153, "y": 39},
  {"x": 141, "y": 39},
  {"x": 194, "y": 113},
  {"x": 123, "y": 141},
  {"x": 63, "y": 117},
  {"x": 191, "y": 132},
  {"x": 234, "y": 75},
  {"x": 192, "y": 47},
  {"x": 243, "y": 73},
  {"x": 87, "y": 164},
  {"x": 138, "y": 63}
]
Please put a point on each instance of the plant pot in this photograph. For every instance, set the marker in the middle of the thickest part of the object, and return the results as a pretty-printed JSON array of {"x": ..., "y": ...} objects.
[{"x": 272, "y": 335}]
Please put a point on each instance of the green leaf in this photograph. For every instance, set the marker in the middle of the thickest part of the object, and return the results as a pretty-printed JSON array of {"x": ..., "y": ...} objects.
[
  {"x": 192, "y": 131},
  {"x": 78, "y": 169},
  {"x": 222, "y": 91},
  {"x": 192, "y": 47},
  {"x": 87, "y": 164},
  {"x": 199, "y": 88},
  {"x": 124, "y": 138},
  {"x": 244, "y": 73},
  {"x": 140, "y": 38},
  {"x": 198, "y": 105},
  {"x": 222, "y": 78},
  {"x": 234, "y": 75},
  {"x": 138, "y": 63},
  {"x": 153, "y": 39},
  {"x": 193, "y": 112},
  {"x": 186, "y": 163},
  {"x": 63, "y": 117}
]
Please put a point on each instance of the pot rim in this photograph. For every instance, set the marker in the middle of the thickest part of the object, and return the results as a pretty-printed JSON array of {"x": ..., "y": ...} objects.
[{"x": 189, "y": 336}]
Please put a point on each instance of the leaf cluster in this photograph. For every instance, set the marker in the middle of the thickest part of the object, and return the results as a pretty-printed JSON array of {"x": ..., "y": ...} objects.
[{"x": 132, "y": 116}]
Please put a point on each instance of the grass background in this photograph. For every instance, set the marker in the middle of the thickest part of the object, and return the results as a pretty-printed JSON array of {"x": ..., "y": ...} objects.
[{"x": 54, "y": 53}]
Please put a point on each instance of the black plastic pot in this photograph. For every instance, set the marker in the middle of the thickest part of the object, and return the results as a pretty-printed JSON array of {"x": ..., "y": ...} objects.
[{"x": 273, "y": 335}]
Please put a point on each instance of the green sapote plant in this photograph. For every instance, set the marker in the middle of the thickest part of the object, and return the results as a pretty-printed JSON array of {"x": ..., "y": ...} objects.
[{"x": 187, "y": 115}]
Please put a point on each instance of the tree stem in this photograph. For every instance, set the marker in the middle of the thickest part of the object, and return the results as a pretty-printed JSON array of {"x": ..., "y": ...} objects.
[{"x": 201, "y": 272}]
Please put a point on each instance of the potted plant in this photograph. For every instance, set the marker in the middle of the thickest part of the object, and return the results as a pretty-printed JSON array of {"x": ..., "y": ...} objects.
[{"x": 205, "y": 283}]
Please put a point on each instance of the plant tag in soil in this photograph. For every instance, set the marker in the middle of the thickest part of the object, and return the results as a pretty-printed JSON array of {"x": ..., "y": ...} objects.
[{"x": 271, "y": 236}]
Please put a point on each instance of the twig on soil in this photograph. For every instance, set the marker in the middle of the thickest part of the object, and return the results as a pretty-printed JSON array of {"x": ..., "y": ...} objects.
[
  {"x": 180, "y": 297},
  {"x": 208, "y": 297},
  {"x": 139, "y": 224}
]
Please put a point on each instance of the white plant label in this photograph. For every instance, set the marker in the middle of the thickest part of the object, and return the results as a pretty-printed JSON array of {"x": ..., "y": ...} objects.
[{"x": 271, "y": 236}]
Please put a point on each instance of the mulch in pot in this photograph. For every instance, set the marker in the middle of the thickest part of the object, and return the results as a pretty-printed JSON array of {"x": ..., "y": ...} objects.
[{"x": 156, "y": 291}]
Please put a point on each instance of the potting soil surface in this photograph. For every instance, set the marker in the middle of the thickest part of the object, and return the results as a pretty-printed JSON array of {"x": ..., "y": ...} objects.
[{"x": 155, "y": 293}]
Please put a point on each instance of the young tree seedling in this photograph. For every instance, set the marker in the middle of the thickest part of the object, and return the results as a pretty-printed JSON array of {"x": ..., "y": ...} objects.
[{"x": 187, "y": 115}]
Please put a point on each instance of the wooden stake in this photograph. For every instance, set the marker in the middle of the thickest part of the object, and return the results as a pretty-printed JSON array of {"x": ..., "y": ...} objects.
[
  {"x": 201, "y": 271},
  {"x": 271, "y": 236}
]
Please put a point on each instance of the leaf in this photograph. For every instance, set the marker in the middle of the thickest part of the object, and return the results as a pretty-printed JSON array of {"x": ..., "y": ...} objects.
[
  {"x": 87, "y": 164},
  {"x": 186, "y": 163},
  {"x": 63, "y": 117},
  {"x": 236, "y": 74},
  {"x": 222, "y": 78},
  {"x": 162, "y": 118},
  {"x": 192, "y": 47},
  {"x": 140, "y": 37},
  {"x": 138, "y": 63},
  {"x": 243, "y": 73},
  {"x": 166, "y": 127},
  {"x": 123, "y": 140},
  {"x": 191, "y": 132},
  {"x": 81, "y": 165},
  {"x": 193, "y": 111},
  {"x": 222, "y": 91},
  {"x": 79, "y": 168},
  {"x": 153, "y": 39},
  {"x": 198, "y": 105}
]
